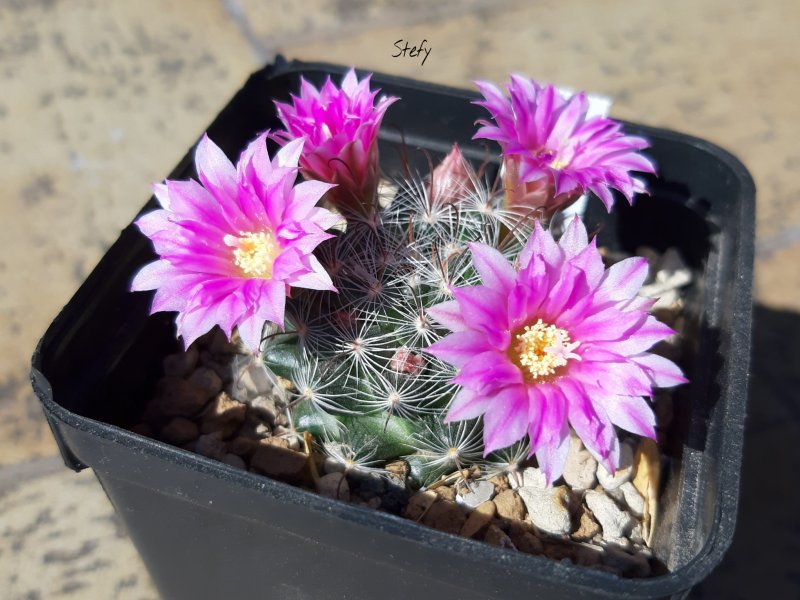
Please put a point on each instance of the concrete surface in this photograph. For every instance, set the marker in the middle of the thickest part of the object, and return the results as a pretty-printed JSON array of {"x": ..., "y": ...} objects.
[{"x": 98, "y": 100}]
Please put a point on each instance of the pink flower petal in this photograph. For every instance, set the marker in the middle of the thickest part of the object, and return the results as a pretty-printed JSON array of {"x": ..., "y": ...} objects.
[
  {"x": 631, "y": 413},
  {"x": 448, "y": 314},
  {"x": 591, "y": 424},
  {"x": 488, "y": 371},
  {"x": 485, "y": 309},
  {"x": 590, "y": 262},
  {"x": 495, "y": 271},
  {"x": 542, "y": 245},
  {"x": 154, "y": 222},
  {"x": 191, "y": 201},
  {"x": 553, "y": 451},
  {"x": 537, "y": 405},
  {"x": 608, "y": 324},
  {"x": 289, "y": 155},
  {"x": 645, "y": 337},
  {"x": 195, "y": 322},
  {"x": 460, "y": 347},
  {"x": 271, "y": 302},
  {"x": 624, "y": 279},
  {"x": 467, "y": 404},
  {"x": 574, "y": 239},
  {"x": 215, "y": 171},
  {"x": 507, "y": 421},
  {"x": 616, "y": 377},
  {"x": 662, "y": 372},
  {"x": 306, "y": 196},
  {"x": 250, "y": 330},
  {"x": 554, "y": 412},
  {"x": 152, "y": 276}
]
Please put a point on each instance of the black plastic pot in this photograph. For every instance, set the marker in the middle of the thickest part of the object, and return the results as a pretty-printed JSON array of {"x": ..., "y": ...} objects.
[{"x": 206, "y": 530}]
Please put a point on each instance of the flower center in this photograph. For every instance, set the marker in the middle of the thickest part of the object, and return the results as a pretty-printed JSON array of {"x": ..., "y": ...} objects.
[
  {"x": 558, "y": 162},
  {"x": 254, "y": 252},
  {"x": 543, "y": 348}
]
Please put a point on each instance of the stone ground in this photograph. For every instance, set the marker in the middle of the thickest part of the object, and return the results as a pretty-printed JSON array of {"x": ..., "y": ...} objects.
[{"x": 97, "y": 100}]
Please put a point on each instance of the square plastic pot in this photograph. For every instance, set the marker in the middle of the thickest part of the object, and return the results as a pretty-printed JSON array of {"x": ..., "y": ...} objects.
[{"x": 206, "y": 530}]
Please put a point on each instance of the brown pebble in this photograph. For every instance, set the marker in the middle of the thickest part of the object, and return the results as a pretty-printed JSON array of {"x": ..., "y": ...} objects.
[
  {"x": 500, "y": 483},
  {"x": 445, "y": 492},
  {"x": 334, "y": 485},
  {"x": 254, "y": 427},
  {"x": 207, "y": 380},
  {"x": 559, "y": 550},
  {"x": 418, "y": 505},
  {"x": 211, "y": 445},
  {"x": 223, "y": 414},
  {"x": 445, "y": 516},
  {"x": 398, "y": 467},
  {"x": 588, "y": 527},
  {"x": 478, "y": 519},
  {"x": 281, "y": 442},
  {"x": 281, "y": 463},
  {"x": 280, "y": 430},
  {"x": 219, "y": 344},
  {"x": 510, "y": 505},
  {"x": 243, "y": 446},
  {"x": 179, "y": 431},
  {"x": 264, "y": 408},
  {"x": 222, "y": 369},
  {"x": 587, "y": 556},
  {"x": 497, "y": 537},
  {"x": 524, "y": 538},
  {"x": 178, "y": 398},
  {"x": 180, "y": 364}
]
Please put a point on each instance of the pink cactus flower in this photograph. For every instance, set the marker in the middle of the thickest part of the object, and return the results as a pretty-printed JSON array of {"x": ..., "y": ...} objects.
[
  {"x": 562, "y": 341},
  {"x": 340, "y": 126},
  {"x": 231, "y": 249},
  {"x": 553, "y": 152}
]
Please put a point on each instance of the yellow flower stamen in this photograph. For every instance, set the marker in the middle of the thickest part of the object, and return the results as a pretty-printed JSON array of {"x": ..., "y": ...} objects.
[
  {"x": 542, "y": 349},
  {"x": 254, "y": 252},
  {"x": 558, "y": 163}
]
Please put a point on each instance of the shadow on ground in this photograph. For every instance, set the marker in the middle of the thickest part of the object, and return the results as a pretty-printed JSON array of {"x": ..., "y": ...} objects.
[{"x": 764, "y": 559}]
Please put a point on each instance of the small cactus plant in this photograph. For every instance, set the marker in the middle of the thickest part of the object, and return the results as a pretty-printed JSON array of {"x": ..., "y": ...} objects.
[
  {"x": 362, "y": 382},
  {"x": 432, "y": 317}
]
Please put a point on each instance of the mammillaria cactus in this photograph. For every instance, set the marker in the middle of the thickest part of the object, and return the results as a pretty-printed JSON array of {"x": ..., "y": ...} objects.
[
  {"x": 442, "y": 324},
  {"x": 362, "y": 378}
]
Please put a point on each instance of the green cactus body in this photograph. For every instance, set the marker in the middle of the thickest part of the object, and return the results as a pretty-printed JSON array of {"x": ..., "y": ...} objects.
[{"x": 363, "y": 385}]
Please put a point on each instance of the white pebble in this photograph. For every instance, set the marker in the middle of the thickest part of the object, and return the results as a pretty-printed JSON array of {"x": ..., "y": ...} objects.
[
  {"x": 616, "y": 523},
  {"x": 534, "y": 478},
  {"x": 580, "y": 468},
  {"x": 548, "y": 508},
  {"x": 622, "y": 474},
  {"x": 633, "y": 499},
  {"x": 479, "y": 492}
]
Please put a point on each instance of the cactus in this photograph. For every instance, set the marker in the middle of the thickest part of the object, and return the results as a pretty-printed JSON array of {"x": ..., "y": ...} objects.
[
  {"x": 349, "y": 316},
  {"x": 362, "y": 383}
]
